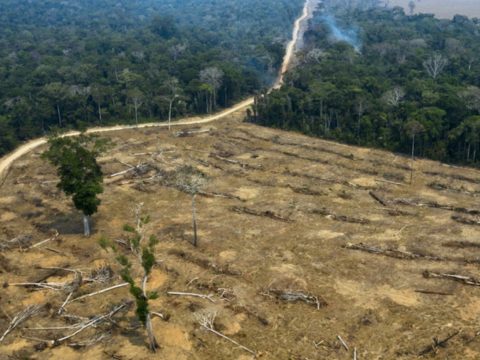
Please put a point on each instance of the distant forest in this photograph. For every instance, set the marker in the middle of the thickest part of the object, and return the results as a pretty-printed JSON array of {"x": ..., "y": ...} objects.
[
  {"x": 78, "y": 63},
  {"x": 379, "y": 77}
]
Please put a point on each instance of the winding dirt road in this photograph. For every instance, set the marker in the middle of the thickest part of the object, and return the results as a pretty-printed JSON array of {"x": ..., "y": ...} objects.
[{"x": 9, "y": 159}]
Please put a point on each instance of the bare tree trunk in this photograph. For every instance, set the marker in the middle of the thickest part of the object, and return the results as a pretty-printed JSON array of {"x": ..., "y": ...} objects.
[
  {"x": 194, "y": 221},
  {"x": 151, "y": 336},
  {"x": 86, "y": 225},
  {"x": 99, "y": 113},
  {"x": 59, "y": 116},
  {"x": 153, "y": 344},
  {"x": 413, "y": 158},
  {"x": 136, "y": 113},
  {"x": 170, "y": 114}
]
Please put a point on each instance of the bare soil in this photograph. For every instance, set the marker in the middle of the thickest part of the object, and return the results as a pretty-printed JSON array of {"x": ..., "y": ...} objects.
[{"x": 281, "y": 214}]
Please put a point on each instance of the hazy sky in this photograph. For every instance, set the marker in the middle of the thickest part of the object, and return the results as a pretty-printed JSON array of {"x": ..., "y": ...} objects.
[{"x": 444, "y": 8}]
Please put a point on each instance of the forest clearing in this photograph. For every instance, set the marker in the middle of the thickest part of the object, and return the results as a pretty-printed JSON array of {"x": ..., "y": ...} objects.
[{"x": 307, "y": 249}]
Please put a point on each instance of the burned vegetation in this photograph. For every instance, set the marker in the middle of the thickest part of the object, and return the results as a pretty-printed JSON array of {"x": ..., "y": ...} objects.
[{"x": 258, "y": 244}]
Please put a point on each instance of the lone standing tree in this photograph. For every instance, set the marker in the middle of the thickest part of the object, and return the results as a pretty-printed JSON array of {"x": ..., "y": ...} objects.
[
  {"x": 191, "y": 181},
  {"x": 80, "y": 175}
]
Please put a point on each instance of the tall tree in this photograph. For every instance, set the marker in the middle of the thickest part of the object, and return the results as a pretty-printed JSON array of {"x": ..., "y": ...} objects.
[
  {"x": 172, "y": 91},
  {"x": 80, "y": 175},
  {"x": 213, "y": 77}
]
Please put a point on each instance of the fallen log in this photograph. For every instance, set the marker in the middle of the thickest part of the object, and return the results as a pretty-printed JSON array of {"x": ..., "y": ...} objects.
[
  {"x": 344, "y": 218},
  {"x": 465, "y": 220},
  {"x": 305, "y": 191},
  {"x": 453, "y": 176},
  {"x": 394, "y": 253},
  {"x": 186, "y": 133},
  {"x": 467, "y": 280},
  {"x": 432, "y": 292},
  {"x": 220, "y": 195},
  {"x": 205, "y": 263},
  {"x": 267, "y": 213},
  {"x": 461, "y": 244},
  {"x": 435, "y": 205},
  {"x": 296, "y": 296},
  {"x": 378, "y": 198}
]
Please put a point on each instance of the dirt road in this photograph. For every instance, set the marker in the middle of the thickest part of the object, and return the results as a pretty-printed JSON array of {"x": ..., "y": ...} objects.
[{"x": 9, "y": 159}]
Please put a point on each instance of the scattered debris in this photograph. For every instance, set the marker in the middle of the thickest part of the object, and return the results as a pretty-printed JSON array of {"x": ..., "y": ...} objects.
[{"x": 94, "y": 321}]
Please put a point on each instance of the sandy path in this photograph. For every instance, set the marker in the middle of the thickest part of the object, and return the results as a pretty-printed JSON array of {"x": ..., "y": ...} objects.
[{"x": 9, "y": 159}]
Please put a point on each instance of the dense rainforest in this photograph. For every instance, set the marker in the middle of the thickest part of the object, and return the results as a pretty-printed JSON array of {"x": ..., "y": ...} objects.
[
  {"x": 375, "y": 76},
  {"x": 77, "y": 63}
]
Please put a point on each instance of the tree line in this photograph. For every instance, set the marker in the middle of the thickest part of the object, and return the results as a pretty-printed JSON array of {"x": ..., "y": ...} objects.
[
  {"x": 375, "y": 76},
  {"x": 81, "y": 63}
]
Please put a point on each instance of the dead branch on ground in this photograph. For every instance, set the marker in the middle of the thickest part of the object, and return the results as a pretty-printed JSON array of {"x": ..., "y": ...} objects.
[
  {"x": 21, "y": 317},
  {"x": 295, "y": 296},
  {"x": 344, "y": 344},
  {"x": 100, "y": 292},
  {"x": 54, "y": 237},
  {"x": 19, "y": 242},
  {"x": 208, "y": 297},
  {"x": 206, "y": 320},
  {"x": 93, "y": 322},
  {"x": 437, "y": 343}
]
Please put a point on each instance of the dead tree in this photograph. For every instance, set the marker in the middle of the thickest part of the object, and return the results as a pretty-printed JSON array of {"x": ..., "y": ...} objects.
[
  {"x": 435, "y": 65},
  {"x": 191, "y": 181}
]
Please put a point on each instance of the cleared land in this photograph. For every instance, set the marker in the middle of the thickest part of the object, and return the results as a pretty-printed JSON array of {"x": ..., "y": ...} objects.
[
  {"x": 368, "y": 257},
  {"x": 443, "y": 9}
]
